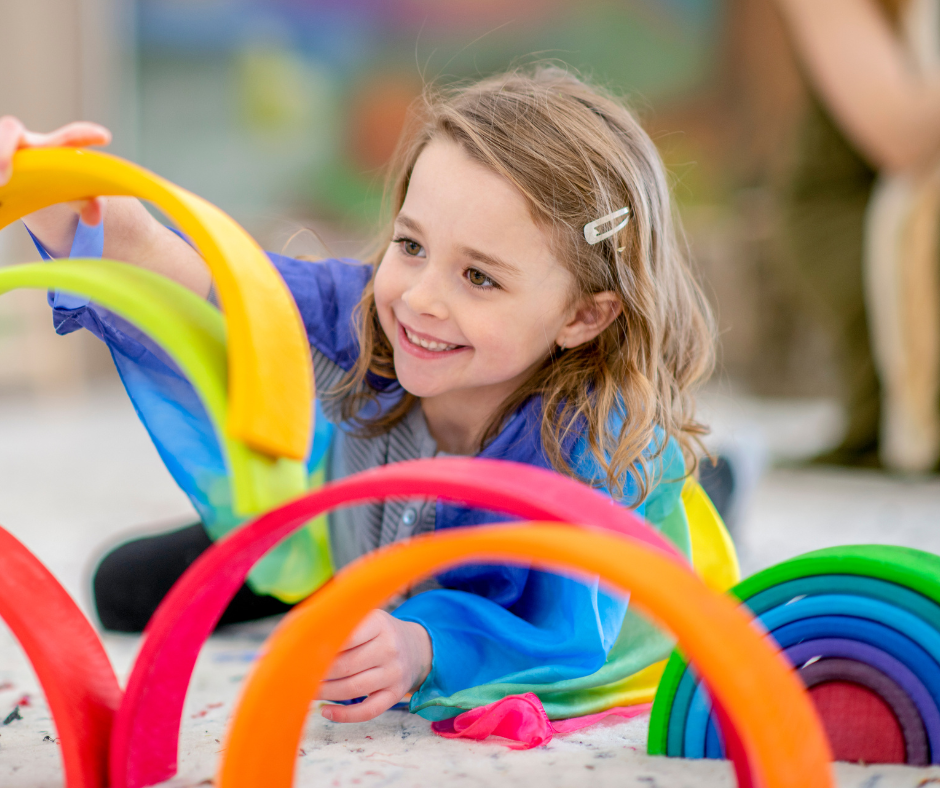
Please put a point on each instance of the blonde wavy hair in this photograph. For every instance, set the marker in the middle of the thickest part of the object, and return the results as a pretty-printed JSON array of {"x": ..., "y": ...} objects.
[{"x": 576, "y": 154}]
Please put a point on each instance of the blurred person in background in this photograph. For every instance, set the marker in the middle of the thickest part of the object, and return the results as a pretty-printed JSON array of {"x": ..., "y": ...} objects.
[{"x": 861, "y": 213}]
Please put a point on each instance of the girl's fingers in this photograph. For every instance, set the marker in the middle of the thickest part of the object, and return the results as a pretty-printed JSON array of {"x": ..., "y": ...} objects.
[
  {"x": 370, "y": 628},
  {"x": 371, "y": 707},
  {"x": 13, "y": 136},
  {"x": 364, "y": 683},
  {"x": 11, "y": 132},
  {"x": 90, "y": 211},
  {"x": 352, "y": 661},
  {"x": 78, "y": 134}
]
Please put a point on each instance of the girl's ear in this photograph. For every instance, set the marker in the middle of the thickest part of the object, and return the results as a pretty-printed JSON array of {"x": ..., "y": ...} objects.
[{"x": 591, "y": 316}]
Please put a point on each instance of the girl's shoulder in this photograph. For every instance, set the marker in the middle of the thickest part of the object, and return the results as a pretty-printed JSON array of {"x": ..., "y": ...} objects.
[
  {"x": 667, "y": 477},
  {"x": 327, "y": 293},
  {"x": 328, "y": 281},
  {"x": 662, "y": 464}
]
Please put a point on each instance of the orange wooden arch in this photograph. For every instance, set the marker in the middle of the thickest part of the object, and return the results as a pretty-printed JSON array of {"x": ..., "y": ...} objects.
[{"x": 782, "y": 740}]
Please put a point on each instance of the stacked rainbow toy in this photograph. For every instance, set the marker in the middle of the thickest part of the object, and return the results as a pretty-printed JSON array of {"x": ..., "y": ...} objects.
[
  {"x": 861, "y": 626},
  {"x": 250, "y": 366}
]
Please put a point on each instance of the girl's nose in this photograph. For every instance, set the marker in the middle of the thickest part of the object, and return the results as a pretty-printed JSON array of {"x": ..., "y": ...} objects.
[{"x": 426, "y": 294}]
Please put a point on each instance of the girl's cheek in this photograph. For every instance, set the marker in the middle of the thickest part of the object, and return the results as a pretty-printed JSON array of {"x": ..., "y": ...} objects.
[
  {"x": 383, "y": 301},
  {"x": 506, "y": 352},
  {"x": 515, "y": 349},
  {"x": 384, "y": 285}
]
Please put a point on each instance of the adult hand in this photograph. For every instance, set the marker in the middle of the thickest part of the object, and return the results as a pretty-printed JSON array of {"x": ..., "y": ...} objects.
[
  {"x": 14, "y": 136},
  {"x": 384, "y": 659}
]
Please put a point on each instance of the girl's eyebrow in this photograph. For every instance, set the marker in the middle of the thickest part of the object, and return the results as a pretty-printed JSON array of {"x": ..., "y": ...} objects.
[
  {"x": 473, "y": 254},
  {"x": 408, "y": 223},
  {"x": 489, "y": 261}
]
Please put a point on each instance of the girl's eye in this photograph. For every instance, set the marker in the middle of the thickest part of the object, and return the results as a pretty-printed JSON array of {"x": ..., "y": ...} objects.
[
  {"x": 409, "y": 247},
  {"x": 478, "y": 279}
]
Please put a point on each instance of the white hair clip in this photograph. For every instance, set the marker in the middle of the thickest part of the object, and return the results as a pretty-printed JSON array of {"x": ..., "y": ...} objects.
[{"x": 592, "y": 236}]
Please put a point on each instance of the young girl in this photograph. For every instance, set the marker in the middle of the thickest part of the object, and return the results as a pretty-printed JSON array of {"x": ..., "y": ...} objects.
[{"x": 531, "y": 302}]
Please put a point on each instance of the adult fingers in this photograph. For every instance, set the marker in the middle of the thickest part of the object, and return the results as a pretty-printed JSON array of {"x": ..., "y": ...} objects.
[
  {"x": 371, "y": 707},
  {"x": 11, "y": 133},
  {"x": 364, "y": 683}
]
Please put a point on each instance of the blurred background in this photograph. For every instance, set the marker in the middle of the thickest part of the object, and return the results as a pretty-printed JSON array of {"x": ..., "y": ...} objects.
[{"x": 283, "y": 113}]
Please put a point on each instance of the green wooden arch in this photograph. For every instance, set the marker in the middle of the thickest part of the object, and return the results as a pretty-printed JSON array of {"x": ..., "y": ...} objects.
[{"x": 193, "y": 333}]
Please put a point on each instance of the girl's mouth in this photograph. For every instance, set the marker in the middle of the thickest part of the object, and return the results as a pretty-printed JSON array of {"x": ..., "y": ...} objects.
[{"x": 423, "y": 346}]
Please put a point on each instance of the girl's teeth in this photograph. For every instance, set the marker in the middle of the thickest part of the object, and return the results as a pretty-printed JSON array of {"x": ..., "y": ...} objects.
[{"x": 439, "y": 346}]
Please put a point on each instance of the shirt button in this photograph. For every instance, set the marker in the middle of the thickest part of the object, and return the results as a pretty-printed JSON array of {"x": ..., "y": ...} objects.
[{"x": 409, "y": 517}]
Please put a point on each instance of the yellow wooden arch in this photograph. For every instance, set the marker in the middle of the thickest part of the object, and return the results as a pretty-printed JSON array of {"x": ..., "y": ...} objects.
[
  {"x": 713, "y": 553},
  {"x": 270, "y": 370}
]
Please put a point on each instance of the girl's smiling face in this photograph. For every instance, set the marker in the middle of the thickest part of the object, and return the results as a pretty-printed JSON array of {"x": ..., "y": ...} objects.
[{"x": 469, "y": 293}]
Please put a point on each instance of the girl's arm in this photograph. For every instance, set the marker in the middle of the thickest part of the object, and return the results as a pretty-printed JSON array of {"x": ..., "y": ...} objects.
[
  {"x": 559, "y": 629},
  {"x": 867, "y": 80},
  {"x": 131, "y": 233},
  {"x": 441, "y": 642}
]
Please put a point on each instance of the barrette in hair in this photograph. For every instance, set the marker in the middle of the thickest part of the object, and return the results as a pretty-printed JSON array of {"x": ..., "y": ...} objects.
[{"x": 592, "y": 236}]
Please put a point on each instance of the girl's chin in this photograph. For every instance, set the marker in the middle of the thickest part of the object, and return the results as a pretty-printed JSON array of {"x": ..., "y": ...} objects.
[
  {"x": 426, "y": 386},
  {"x": 419, "y": 386},
  {"x": 424, "y": 382}
]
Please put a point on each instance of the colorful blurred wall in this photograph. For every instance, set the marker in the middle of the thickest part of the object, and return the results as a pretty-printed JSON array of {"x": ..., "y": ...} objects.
[
  {"x": 290, "y": 105},
  {"x": 283, "y": 112}
]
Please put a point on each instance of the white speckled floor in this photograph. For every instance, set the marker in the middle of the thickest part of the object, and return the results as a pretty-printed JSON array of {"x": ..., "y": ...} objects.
[{"x": 77, "y": 474}]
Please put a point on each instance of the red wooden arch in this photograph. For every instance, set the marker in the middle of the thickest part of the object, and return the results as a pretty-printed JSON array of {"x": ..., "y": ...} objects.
[
  {"x": 145, "y": 739},
  {"x": 69, "y": 660}
]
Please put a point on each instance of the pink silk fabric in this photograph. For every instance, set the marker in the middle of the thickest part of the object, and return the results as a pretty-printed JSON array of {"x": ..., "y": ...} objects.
[{"x": 521, "y": 721}]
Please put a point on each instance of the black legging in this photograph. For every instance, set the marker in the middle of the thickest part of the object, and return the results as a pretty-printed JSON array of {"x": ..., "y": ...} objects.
[{"x": 131, "y": 581}]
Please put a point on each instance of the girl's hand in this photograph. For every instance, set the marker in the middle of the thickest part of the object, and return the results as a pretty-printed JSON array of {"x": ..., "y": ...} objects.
[
  {"x": 385, "y": 659},
  {"x": 14, "y": 136},
  {"x": 131, "y": 233}
]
